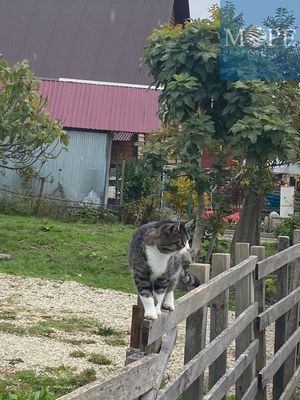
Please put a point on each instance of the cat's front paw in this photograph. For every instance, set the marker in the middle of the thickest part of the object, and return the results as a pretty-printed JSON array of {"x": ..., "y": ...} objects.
[
  {"x": 152, "y": 316},
  {"x": 168, "y": 306},
  {"x": 158, "y": 311}
]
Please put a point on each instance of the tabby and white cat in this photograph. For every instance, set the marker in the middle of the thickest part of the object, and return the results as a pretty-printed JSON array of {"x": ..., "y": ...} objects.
[{"x": 155, "y": 254}]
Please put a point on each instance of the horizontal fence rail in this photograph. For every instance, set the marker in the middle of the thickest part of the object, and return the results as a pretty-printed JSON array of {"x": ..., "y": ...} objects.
[
  {"x": 251, "y": 371},
  {"x": 128, "y": 383},
  {"x": 273, "y": 263},
  {"x": 195, "y": 299},
  {"x": 194, "y": 368}
]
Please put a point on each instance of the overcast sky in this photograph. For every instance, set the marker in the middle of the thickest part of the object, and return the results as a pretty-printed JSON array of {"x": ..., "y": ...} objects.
[
  {"x": 254, "y": 12},
  {"x": 199, "y": 8}
]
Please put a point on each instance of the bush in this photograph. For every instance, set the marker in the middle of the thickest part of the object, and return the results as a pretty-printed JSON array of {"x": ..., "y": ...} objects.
[
  {"x": 140, "y": 181},
  {"x": 142, "y": 211},
  {"x": 180, "y": 194},
  {"x": 287, "y": 227},
  {"x": 141, "y": 196}
]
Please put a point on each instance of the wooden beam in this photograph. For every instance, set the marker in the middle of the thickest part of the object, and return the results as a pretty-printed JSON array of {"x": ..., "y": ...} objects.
[
  {"x": 267, "y": 373},
  {"x": 195, "y": 333},
  {"x": 128, "y": 383},
  {"x": 282, "y": 290},
  {"x": 291, "y": 386},
  {"x": 260, "y": 297},
  {"x": 219, "y": 316},
  {"x": 195, "y": 299},
  {"x": 273, "y": 263},
  {"x": 293, "y": 315},
  {"x": 164, "y": 355},
  {"x": 278, "y": 309},
  {"x": 194, "y": 368},
  {"x": 221, "y": 388},
  {"x": 244, "y": 296},
  {"x": 252, "y": 391}
]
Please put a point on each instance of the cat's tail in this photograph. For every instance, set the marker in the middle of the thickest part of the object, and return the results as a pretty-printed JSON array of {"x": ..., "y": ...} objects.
[{"x": 188, "y": 280}]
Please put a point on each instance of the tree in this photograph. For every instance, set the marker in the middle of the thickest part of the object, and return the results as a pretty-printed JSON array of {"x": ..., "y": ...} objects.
[
  {"x": 27, "y": 133},
  {"x": 247, "y": 119}
]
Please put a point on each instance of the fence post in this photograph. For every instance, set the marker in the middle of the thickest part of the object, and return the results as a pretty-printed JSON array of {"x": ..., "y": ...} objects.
[
  {"x": 260, "y": 298},
  {"x": 219, "y": 316},
  {"x": 293, "y": 315},
  {"x": 195, "y": 333},
  {"x": 281, "y": 323},
  {"x": 244, "y": 297}
]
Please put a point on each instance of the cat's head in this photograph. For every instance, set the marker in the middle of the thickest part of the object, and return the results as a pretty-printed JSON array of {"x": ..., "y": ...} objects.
[{"x": 169, "y": 237}]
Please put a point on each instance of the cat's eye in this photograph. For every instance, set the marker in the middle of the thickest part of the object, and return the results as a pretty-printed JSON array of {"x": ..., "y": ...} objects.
[{"x": 182, "y": 244}]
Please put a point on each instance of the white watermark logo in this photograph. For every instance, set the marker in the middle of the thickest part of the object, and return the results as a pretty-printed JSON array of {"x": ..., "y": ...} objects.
[{"x": 257, "y": 37}]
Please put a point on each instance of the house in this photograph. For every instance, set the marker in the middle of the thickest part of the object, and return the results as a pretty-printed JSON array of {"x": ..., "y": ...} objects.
[{"x": 87, "y": 54}]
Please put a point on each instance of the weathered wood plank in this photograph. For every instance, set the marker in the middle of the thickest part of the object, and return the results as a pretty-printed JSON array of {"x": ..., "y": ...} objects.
[
  {"x": 293, "y": 315},
  {"x": 273, "y": 263},
  {"x": 282, "y": 289},
  {"x": 133, "y": 355},
  {"x": 266, "y": 374},
  {"x": 260, "y": 297},
  {"x": 126, "y": 384},
  {"x": 244, "y": 296},
  {"x": 195, "y": 299},
  {"x": 219, "y": 316},
  {"x": 195, "y": 334},
  {"x": 278, "y": 309},
  {"x": 252, "y": 391},
  {"x": 194, "y": 368},
  {"x": 136, "y": 322},
  {"x": 221, "y": 388},
  {"x": 291, "y": 386},
  {"x": 164, "y": 355}
]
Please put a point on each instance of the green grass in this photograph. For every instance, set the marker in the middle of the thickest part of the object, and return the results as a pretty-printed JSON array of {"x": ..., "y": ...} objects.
[
  {"x": 74, "y": 324},
  {"x": 99, "y": 359},
  {"x": 25, "y": 385},
  {"x": 94, "y": 255}
]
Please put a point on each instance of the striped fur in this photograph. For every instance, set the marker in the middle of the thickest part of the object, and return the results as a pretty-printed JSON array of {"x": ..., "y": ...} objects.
[{"x": 155, "y": 254}]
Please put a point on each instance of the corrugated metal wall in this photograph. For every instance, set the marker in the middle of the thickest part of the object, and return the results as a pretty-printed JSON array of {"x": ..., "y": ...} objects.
[{"x": 80, "y": 171}]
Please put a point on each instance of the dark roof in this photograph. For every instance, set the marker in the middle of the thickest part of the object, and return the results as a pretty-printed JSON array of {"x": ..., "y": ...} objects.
[
  {"x": 116, "y": 108},
  {"x": 99, "y": 40}
]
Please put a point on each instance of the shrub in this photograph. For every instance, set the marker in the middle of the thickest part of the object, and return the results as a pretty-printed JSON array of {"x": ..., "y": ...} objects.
[
  {"x": 179, "y": 193},
  {"x": 287, "y": 227},
  {"x": 141, "y": 195},
  {"x": 142, "y": 211}
]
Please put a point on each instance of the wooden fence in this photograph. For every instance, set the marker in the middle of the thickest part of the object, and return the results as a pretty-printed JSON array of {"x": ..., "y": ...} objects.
[{"x": 252, "y": 371}]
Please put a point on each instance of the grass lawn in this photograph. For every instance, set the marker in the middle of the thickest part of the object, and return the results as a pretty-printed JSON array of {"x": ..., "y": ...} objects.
[{"x": 94, "y": 255}]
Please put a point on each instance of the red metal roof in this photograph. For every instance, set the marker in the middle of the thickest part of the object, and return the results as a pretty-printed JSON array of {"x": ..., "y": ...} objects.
[{"x": 102, "y": 107}]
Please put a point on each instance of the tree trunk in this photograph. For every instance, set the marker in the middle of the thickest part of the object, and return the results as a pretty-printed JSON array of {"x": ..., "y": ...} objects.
[
  {"x": 248, "y": 227},
  {"x": 199, "y": 228}
]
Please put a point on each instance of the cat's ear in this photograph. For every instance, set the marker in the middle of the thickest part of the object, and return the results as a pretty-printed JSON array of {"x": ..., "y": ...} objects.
[
  {"x": 189, "y": 224},
  {"x": 173, "y": 227},
  {"x": 153, "y": 233}
]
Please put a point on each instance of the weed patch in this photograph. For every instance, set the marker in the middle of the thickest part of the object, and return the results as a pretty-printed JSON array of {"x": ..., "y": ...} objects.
[
  {"x": 99, "y": 359},
  {"x": 77, "y": 353},
  {"x": 53, "y": 382}
]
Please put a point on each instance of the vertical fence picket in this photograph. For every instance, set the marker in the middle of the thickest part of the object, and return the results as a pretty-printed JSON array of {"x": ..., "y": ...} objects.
[
  {"x": 293, "y": 315},
  {"x": 195, "y": 337},
  {"x": 281, "y": 323},
  {"x": 244, "y": 296},
  {"x": 260, "y": 298},
  {"x": 219, "y": 316},
  {"x": 144, "y": 374}
]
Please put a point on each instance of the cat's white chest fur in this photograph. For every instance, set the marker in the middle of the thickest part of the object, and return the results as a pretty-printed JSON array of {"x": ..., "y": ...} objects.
[{"x": 157, "y": 261}]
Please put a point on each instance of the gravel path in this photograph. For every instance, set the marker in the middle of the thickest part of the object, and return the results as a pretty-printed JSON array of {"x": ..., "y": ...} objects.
[{"x": 31, "y": 300}]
